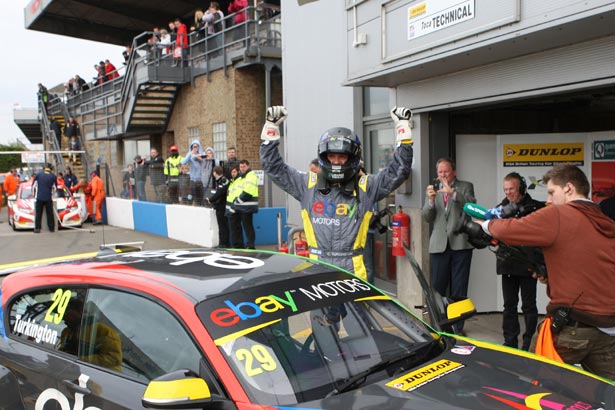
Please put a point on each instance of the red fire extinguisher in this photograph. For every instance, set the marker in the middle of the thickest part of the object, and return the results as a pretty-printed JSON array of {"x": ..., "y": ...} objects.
[
  {"x": 401, "y": 232},
  {"x": 301, "y": 248},
  {"x": 283, "y": 248}
]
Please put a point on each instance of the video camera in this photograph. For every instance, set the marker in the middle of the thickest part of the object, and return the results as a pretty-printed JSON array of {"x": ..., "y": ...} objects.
[{"x": 480, "y": 240}]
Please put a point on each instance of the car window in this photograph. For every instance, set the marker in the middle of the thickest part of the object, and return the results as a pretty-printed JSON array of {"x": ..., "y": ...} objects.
[
  {"x": 50, "y": 318},
  {"x": 26, "y": 193},
  {"x": 135, "y": 336}
]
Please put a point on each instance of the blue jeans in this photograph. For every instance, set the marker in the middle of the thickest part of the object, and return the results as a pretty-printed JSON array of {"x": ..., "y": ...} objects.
[{"x": 141, "y": 191}]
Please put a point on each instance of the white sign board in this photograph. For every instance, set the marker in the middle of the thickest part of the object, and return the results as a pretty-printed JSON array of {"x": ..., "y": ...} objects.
[
  {"x": 261, "y": 176},
  {"x": 433, "y": 15},
  {"x": 32, "y": 157}
]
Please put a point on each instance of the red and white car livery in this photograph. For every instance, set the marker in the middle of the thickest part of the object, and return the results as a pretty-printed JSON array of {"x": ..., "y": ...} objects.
[{"x": 71, "y": 208}]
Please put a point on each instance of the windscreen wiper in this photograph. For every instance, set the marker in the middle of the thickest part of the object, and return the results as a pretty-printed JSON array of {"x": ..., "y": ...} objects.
[{"x": 360, "y": 377}]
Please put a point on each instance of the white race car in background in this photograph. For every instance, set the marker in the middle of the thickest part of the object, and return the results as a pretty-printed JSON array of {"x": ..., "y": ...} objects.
[{"x": 70, "y": 209}]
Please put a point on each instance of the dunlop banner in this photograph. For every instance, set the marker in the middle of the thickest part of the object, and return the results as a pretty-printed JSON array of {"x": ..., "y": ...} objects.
[{"x": 540, "y": 155}]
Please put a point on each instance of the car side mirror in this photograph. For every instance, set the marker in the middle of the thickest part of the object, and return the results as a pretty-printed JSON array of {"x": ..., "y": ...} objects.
[
  {"x": 457, "y": 311},
  {"x": 179, "y": 389}
]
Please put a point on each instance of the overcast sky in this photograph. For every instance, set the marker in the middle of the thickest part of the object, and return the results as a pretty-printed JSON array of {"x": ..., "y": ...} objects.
[{"x": 31, "y": 57}]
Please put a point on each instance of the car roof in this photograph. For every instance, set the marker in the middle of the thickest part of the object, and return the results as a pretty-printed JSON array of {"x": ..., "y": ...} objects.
[{"x": 199, "y": 273}]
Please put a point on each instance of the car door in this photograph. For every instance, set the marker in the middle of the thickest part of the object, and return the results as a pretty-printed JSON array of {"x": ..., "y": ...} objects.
[
  {"x": 126, "y": 340},
  {"x": 37, "y": 353},
  {"x": 93, "y": 349}
]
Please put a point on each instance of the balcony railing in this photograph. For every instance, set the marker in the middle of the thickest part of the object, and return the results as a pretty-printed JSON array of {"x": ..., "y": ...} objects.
[{"x": 103, "y": 108}]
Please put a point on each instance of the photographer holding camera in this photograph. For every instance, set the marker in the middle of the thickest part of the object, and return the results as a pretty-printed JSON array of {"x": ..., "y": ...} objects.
[
  {"x": 450, "y": 253},
  {"x": 517, "y": 273},
  {"x": 578, "y": 242}
]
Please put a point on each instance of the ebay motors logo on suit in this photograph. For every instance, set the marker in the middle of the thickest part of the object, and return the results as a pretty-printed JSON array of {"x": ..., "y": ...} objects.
[{"x": 326, "y": 211}]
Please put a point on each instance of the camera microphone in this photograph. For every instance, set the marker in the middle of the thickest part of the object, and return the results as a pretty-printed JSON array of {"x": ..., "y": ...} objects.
[
  {"x": 500, "y": 212},
  {"x": 475, "y": 211}
]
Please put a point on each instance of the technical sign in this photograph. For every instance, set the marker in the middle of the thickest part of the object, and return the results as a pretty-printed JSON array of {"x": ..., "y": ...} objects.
[
  {"x": 433, "y": 15},
  {"x": 540, "y": 155}
]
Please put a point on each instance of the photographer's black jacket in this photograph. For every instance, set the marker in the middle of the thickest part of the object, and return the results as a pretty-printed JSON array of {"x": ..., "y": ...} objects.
[{"x": 519, "y": 265}]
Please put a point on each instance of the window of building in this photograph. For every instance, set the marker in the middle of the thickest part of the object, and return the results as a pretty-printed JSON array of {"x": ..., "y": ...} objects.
[
  {"x": 375, "y": 101},
  {"x": 133, "y": 148},
  {"x": 220, "y": 140},
  {"x": 194, "y": 133}
]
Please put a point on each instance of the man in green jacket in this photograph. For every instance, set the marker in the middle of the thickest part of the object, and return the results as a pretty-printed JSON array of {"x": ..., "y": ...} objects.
[{"x": 246, "y": 202}]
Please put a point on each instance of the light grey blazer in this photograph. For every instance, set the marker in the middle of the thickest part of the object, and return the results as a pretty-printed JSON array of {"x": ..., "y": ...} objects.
[{"x": 444, "y": 218}]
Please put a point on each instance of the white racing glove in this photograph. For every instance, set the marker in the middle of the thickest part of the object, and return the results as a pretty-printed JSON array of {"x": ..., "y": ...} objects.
[
  {"x": 402, "y": 116},
  {"x": 275, "y": 116}
]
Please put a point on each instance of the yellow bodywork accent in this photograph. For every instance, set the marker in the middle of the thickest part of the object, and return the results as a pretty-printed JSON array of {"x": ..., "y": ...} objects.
[
  {"x": 223, "y": 340},
  {"x": 173, "y": 390},
  {"x": 37, "y": 262},
  {"x": 456, "y": 309},
  {"x": 533, "y": 400},
  {"x": 379, "y": 297}
]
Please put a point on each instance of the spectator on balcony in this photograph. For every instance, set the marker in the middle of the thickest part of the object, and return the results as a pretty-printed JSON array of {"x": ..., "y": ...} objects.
[
  {"x": 181, "y": 49},
  {"x": 165, "y": 42},
  {"x": 102, "y": 76},
  {"x": 237, "y": 6},
  {"x": 172, "y": 31},
  {"x": 110, "y": 71},
  {"x": 70, "y": 88},
  {"x": 199, "y": 25},
  {"x": 81, "y": 84},
  {"x": 214, "y": 18}
]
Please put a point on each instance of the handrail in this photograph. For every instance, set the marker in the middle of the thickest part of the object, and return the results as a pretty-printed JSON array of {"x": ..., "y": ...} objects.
[
  {"x": 49, "y": 135},
  {"x": 244, "y": 40}
]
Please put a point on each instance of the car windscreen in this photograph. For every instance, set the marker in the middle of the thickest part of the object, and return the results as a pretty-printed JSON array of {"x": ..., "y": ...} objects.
[
  {"x": 299, "y": 340},
  {"x": 26, "y": 193}
]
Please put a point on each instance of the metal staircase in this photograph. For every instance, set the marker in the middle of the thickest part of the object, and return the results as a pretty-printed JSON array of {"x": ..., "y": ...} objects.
[{"x": 152, "y": 108}]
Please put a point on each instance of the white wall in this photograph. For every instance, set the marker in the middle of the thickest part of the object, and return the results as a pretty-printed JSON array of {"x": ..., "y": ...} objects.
[
  {"x": 477, "y": 163},
  {"x": 314, "y": 67}
]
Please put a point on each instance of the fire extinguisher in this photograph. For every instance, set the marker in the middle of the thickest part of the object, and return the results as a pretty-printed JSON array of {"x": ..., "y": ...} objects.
[
  {"x": 401, "y": 232},
  {"x": 283, "y": 248},
  {"x": 301, "y": 248}
]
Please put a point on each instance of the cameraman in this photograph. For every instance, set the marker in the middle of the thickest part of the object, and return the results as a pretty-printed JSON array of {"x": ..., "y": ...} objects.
[
  {"x": 515, "y": 270},
  {"x": 578, "y": 242}
]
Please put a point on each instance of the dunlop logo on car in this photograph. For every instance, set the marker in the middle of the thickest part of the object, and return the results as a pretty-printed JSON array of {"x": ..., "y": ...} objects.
[{"x": 424, "y": 375}]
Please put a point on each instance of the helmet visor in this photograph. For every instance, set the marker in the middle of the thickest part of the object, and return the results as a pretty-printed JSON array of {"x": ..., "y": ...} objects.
[{"x": 339, "y": 145}]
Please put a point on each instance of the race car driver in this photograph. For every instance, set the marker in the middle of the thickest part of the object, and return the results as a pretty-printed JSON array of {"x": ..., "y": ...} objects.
[{"x": 337, "y": 204}]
